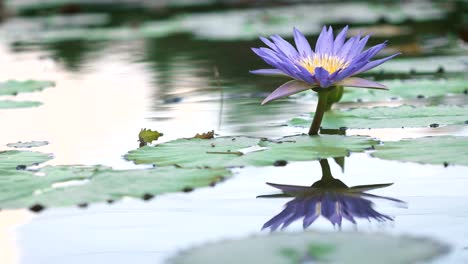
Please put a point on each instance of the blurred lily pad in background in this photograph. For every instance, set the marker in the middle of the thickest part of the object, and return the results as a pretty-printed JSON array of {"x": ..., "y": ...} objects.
[
  {"x": 15, "y": 87},
  {"x": 390, "y": 117},
  {"x": 8, "y": 104},
  {"x": 314, "y": 247}
]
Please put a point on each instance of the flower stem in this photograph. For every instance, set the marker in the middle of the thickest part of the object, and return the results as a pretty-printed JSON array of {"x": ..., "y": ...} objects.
[{"x": 322, "y": 106}]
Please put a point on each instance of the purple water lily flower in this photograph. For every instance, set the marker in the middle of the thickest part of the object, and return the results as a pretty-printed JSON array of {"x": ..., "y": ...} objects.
[{"x": 333, "y": 63}]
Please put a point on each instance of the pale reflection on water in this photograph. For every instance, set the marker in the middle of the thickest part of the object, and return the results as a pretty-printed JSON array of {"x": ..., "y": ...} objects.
[{"x": 9, "y": 221}]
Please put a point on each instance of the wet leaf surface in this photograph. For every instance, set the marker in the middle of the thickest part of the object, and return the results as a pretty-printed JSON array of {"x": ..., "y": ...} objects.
[
  {"x": 390, "y": 117},
  {"x": 443, "y": 150},
  {"x": 313, "y": 247}
]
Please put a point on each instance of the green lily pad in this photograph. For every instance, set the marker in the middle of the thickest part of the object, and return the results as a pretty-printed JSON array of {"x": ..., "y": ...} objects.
[
  {"x": 56, "y": 186},
  {"x": 10, "y": 159},
  {"x": 15, "y": 87},
  {"x": 432, "y": 150},
  {"x": 410, "y": 89},
  {"x": 425, "y": 65},
  {"x": 389, "y": 117},
  {"x": 314, "y": 247},
  {"x": 7, "y": 104},
  {"x": 30, "y": 144},
  {"x": 245, "y": 151}
]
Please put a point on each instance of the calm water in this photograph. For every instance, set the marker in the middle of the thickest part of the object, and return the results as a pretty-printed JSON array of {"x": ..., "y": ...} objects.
[{"x": 106, "y": 91}]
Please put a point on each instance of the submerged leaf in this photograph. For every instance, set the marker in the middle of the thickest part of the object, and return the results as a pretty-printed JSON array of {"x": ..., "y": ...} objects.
[
  {"x": 433, "y": 150},
  {"x": 315, "y": 247}
]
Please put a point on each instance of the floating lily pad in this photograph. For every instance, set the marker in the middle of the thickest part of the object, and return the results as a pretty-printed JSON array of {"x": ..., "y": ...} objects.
[
  {"x": 30, "y": 144},
  {"x": 390, "y": 117},
  {"x": 15, "y": 87},
  {"x": 10, "y": 159},
  {"x": 313, "y": 247},
  {"x": 7, "y": 104},
  {"x": 56, "y": 186},
  {"x": 235, "y": 151},
  {"x": 433, "y": 150},
  {"x": 425, "y": 65},
  {"x": 410, "y": 89},
  {"x": 246, "y": 23}
]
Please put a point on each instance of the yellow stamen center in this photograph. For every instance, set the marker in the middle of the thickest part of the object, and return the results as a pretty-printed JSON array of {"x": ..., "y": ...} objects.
[{"x": 328, "y": 62}]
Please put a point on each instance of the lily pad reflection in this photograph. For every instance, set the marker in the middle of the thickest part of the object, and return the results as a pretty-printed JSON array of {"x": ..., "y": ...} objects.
[{"x": 328, "y": 197}]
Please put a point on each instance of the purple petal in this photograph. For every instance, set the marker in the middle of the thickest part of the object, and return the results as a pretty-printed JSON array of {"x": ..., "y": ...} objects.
[
  {"x": 358, "y": 47},
  {"x": 369, "y": 53},
  {"x": 359, "y": 82},
  {"x": 269, "y": 43},
  {"x": 354, "y": 67},
  {"x": 321, "y": 40},
  {"x": 302, "y": 44},
  {"x": 289, "y": 88},
  {"x": 269, "y": 72},
  {"x": 285, "y": 47},
  {"x": 339, "y": 41},
  {"x": 322, "y": 77},
  {"x": 345, "y": 49},
  {"x": 376, "y": 63}
]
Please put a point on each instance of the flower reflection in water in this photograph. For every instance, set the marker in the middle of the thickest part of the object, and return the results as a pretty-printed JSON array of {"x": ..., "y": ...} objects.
[{"x": 328, "y": 197}]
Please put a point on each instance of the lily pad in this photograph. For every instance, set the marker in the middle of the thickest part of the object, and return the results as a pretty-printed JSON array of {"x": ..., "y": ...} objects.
[
  {"x": 314, "y": 247},
  {"x": 390, "y": 117},
  {"x": 9, "y": 160},
  {"x": 236, "y": 151},
  {"x": 7, "y": 104},
  {"x": 425, "y": 65},
  {"x": 409, "y": 89},
  {"x": 15, "y": 87},
  {"x": 30, "y": 144},
  {"x": 56, "y": 186},
  {"x": 432, "y": 150}
]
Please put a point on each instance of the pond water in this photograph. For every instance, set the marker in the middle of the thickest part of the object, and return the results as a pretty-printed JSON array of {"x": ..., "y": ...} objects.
[{"x": 181, "y": 83}]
